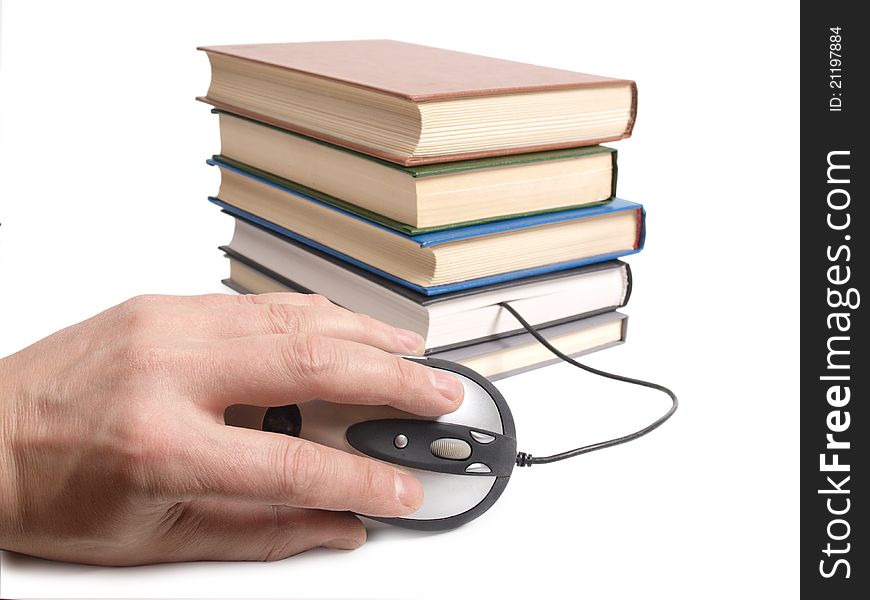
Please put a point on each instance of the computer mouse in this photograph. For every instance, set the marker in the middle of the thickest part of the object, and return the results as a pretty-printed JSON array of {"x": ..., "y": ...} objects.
[{"x": 463, "y": 460}]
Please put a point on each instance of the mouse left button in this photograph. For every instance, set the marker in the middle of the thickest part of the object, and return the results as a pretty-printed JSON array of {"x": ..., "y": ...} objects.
[
  {"x": 478, "y": 467},
  {"x": 283, "y": 419}
]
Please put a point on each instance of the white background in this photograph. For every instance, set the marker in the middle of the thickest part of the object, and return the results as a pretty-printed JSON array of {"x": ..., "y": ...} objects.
[{"x": 103, "y": 195}]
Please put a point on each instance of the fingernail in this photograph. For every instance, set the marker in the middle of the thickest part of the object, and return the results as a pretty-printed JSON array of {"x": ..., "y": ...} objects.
[
  {"x": 448, "y": 386},
  {"x": 411, "y": 342},
  {"x": 408, "y": 491},
  {"x": 343, "y": 544}
]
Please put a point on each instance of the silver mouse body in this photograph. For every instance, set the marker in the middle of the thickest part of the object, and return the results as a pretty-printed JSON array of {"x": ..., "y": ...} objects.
[{"x": 463, "y": 460}]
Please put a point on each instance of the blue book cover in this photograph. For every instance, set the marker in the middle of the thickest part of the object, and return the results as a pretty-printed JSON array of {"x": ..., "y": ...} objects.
[{"x": 436, "y": 238}]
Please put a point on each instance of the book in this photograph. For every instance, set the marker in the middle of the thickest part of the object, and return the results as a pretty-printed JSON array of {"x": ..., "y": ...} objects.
[
  {"x": 262, "y": 261},
  {"x": 366, "y": 213},
  {"x": 423, "y": 197},
  {"x": 511, "y": 355},
  {"x": 516, "y": 354},
  {"x": 440, "y": 261},
  {"x": 413, "y": 104}
]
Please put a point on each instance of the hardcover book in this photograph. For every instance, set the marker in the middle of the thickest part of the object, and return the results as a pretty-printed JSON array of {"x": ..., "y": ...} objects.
[
  {"x": 421, "y": 198},
  {"x": 516, "y": 354},
  {"x": 439, "y": 261},
  {"x": 261, "y": 260},
  {"x": 413, "y": 104}
]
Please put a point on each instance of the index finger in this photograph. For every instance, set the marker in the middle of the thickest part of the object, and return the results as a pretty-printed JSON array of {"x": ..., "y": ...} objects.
[{"x": 276, "y": 370}]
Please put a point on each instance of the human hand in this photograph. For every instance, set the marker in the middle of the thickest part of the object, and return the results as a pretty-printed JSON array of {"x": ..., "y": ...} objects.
[{"x": 114, "y": 450}]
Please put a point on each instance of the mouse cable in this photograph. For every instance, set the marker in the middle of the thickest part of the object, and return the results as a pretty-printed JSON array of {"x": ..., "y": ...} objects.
[{"x": 525, "y": 460}]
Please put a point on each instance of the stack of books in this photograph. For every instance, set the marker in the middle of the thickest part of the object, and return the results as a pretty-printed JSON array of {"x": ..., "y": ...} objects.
[{"x": 424, "y": 186}]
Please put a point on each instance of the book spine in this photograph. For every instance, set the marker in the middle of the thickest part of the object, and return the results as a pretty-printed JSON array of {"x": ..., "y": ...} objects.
[
  {"x": 629, "y": 284},
  {"x": 633, "y": 113},
  {"x": 640, "y": 238},
  {"x": 614, "y": 172}
]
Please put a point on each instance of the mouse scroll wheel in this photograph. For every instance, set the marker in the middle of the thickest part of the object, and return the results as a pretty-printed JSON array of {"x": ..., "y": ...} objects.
[
  {"x": 450, "y": 448},
  {"x": 283, "y": 419}
]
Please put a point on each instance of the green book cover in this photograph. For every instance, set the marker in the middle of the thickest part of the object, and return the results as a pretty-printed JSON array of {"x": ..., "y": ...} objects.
[
  {"x": 459, "y": 165},
  {"x": 386, "y": 221}
]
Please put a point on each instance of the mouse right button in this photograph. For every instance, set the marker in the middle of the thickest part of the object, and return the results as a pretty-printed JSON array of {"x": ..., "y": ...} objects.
[{"x": 482, "y": 438}]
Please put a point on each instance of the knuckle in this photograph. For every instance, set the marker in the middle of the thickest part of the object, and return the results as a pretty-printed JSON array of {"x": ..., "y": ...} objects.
[
  {"x": 285, "y": 518},
  {"x": 376, "y": 484},
  {"x": 282, "y": 541},
  {"x": 281, "y": 318},
  {"x": 406, "y": 375},
  {"x": 142, "y": 300},
  {"x": 265, "y": 298},
  {"x": 303, "y": 468},
  {"x": 367, "y": 323},
  {"x": 247, "y": 299},
  {"x": 310, "y": 357},
  {"x": 318, "y": 300},
  {"x": 139, "y": 312}
]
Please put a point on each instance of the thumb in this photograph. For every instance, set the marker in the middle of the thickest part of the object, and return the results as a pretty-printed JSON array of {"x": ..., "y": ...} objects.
[{"x": 213, "y": 530}]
